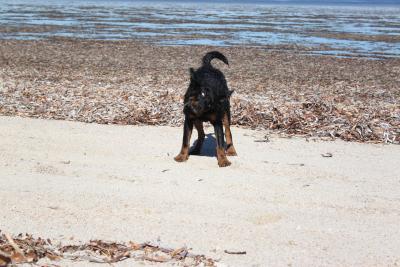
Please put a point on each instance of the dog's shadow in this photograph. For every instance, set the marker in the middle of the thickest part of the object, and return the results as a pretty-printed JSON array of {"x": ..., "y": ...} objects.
[{"x": 208, "y": 148}]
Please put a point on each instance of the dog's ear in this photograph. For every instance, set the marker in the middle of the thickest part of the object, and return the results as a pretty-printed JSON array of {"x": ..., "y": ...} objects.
[{"x": 192, "y": 74}]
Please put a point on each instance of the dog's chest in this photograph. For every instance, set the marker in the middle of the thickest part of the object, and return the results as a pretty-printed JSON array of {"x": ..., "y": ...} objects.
[{"x": 209, "y": 116}]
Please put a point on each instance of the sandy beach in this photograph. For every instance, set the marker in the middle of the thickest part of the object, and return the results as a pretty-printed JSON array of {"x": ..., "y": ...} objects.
[
  {"x": 91, "y": 119},
  {"x": 281, "y": 201}
]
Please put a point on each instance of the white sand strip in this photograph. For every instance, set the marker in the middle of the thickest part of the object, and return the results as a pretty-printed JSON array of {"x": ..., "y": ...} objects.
[{"x": 280, "y": 201}]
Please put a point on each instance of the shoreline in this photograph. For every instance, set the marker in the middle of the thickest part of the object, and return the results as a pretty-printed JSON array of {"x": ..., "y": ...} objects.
[{"x": 371, "y": 33}]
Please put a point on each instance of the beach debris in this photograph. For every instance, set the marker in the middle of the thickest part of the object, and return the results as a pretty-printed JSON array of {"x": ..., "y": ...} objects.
[
  {"x": 327, "y": 155},
  {"x": 265, "y": 139},
  {"x": 272, "y": 162},
  {"x": 16, "y": 255},
  {"x": 235, "y": 252},
  {"x": 286, "y": 94},
  {"x": 296, "y": 164},
  {"x": 24, "y": 248},
  {"x": 5, "y": 259}
]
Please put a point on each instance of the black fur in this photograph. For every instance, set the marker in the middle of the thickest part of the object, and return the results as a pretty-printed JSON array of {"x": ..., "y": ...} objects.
[{"x": 207, "y": 99}]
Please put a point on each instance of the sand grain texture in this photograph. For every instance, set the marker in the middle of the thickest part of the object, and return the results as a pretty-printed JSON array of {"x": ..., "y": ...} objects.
[{"x": 281, "y": 201}]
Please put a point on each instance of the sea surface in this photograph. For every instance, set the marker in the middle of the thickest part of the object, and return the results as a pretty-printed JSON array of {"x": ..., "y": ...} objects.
[{"x": 362, "y": 28}]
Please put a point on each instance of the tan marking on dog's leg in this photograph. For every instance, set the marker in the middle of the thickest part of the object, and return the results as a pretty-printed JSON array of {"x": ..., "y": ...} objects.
[
  {"x": 187, "y": 132},
  {"x": 222, "y": 159},
  {"x": 230, "y": 149},
  {"x": 183, "y": 155}
]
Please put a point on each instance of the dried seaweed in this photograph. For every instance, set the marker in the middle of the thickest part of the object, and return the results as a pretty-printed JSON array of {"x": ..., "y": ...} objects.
[
  {"x": 129, "y": 82},
  {"x": 24, "y": 248}
]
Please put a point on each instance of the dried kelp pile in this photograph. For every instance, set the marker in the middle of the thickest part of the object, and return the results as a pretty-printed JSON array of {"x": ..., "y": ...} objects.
[
  {"x": 24, "y": 248},
  {"x": 128, "y": 82},
  {"x": 322, "y": 117}
]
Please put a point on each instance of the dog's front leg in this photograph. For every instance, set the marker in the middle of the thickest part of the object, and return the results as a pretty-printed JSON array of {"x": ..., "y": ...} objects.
[
  {"x": 230, "y": 149},
  {"x": 187, "y": 132},
  {"x": 200, "y": 140},
  {"x": 219, "y": 135}
]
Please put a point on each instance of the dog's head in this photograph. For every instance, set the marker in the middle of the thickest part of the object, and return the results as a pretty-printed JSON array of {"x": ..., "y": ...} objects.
[
  {"x": 202, "y": 95},
  {"x": 201, "y": 101}
]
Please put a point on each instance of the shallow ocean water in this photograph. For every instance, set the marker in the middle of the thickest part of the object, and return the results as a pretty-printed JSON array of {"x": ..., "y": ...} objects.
[{"x": 363, "y": 30}]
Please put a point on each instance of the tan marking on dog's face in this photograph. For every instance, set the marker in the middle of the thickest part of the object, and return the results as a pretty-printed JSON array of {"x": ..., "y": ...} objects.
[
  {"x": 193, "y": 101},
  {"x": 194, "y": 104}
]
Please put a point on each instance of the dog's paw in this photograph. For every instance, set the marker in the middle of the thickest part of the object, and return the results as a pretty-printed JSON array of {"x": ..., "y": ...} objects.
[
  {"x": 181, "y": 158},
  {"x": 231, "y": 151},
  {"x": 224, "y": 162}
]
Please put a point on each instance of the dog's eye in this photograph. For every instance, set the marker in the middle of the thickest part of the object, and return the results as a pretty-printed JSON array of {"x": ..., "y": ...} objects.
[{"x": 203, "y": 94}]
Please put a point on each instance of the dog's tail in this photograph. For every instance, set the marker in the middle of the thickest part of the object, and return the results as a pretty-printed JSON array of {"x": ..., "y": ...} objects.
[{"x": 214, "y": 54}]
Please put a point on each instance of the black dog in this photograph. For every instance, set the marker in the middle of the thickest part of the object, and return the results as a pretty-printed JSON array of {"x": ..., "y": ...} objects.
[{"x": 207, "y": 99}]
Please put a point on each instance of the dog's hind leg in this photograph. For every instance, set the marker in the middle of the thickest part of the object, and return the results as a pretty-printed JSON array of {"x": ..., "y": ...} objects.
[
  {"x": 187, "y": 132},
  {"x": 230, "y": 149},
  {"x": 200, "y": 131},
  {"x": 219, "y": 135}
]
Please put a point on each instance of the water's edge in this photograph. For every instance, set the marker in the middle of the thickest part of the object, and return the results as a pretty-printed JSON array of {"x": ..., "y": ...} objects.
[{"x": 372, "y": 32}]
